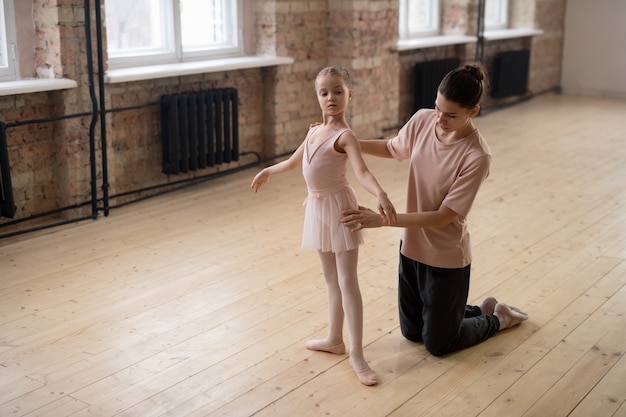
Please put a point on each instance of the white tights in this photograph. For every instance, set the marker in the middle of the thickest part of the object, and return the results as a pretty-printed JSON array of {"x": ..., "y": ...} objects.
[{"x": 344, "y": 297}]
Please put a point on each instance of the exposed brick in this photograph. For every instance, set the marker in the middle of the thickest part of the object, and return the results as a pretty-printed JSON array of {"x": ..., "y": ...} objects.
[{"x": 50, "y": 162}]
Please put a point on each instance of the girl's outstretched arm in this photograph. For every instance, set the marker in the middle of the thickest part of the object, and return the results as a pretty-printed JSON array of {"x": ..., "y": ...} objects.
[
  {"x": 281, "y": 167},
  {"x": 349, "y": 144}
]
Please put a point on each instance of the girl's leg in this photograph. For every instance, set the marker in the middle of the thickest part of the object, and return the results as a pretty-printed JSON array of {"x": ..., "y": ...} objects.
[
  {"x": 353, "y": 307},
  {"x": 334, "y": 341}
]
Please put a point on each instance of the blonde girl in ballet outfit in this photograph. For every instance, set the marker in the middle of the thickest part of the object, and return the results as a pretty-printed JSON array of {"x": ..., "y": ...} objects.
[{"x": 323, "y": 155}]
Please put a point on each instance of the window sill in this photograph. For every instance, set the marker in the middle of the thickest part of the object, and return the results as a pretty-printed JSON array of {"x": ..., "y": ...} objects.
[
  {"x": 35, "y": 85},
  {"x": 431, "y": 41},
  {"x": 444, "y": 40},
  {"x": 494, "y": 35},
  {"x": 123, "y": 75}
]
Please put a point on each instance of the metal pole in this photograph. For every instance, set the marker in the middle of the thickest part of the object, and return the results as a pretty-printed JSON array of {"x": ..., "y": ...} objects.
[
  {"x": 94, "y": 111},
  {"x": 480, "y": 32}
]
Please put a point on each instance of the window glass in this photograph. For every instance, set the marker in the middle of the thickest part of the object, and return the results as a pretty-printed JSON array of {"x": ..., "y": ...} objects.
[
  {"x": 205, "y": 24},
  {"x": 418, "y": 18},
  {"x": 137, "y": 27},
  {"x": 496, "y": 14},
  {"x": 160, "y": 31},
  {"x": 3, "y": 37},
  {"x": 8, "y": 63}
]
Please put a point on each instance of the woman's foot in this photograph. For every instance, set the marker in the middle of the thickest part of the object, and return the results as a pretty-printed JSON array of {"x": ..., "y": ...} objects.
[
  {"x": 509, "y": 316},
  {"x": 323, "y": 345},
  {"x": 363, "y": 371},
  {"x": 488, "y": 306}
]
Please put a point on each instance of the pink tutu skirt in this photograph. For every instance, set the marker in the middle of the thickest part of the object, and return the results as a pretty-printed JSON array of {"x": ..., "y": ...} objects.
[{"x": 323, "y": 230}]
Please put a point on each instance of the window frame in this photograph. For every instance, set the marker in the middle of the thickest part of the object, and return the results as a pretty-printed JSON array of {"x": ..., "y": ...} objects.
[
  {"x": 8, "y": 38},
  {"x": 172, "y": 51},
  {"x": 406, "y": 32},
  {"x": 502, "y": 20}
]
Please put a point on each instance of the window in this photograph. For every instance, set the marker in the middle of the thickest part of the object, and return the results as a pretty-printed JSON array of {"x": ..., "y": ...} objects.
[
  {"x": 143, "y": 32},
  {"x": 8, "y": 60},
  {"x": 418, "y": 18},
  {"x": 496, "y": 14}
]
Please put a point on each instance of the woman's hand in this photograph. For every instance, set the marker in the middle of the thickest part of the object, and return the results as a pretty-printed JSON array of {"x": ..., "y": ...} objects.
[{"x": 362, "y": 218}]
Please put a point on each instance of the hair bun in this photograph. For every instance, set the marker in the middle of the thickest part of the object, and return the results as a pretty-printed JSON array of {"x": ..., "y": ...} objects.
[
  {"x": 474, "y": 70},
  {"x": 464, "y": 85}
]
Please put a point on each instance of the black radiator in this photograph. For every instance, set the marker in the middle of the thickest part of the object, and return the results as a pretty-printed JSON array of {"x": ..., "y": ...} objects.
[
  {"x": 510, "y": 73},
  {"x": 428, "y": 75},
  {"x": 199, "y": 129},
  {"x": 7, "y": 204}
]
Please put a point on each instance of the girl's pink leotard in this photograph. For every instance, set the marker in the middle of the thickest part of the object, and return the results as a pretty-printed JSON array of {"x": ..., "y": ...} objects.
[{"x": 324, "y": 171}]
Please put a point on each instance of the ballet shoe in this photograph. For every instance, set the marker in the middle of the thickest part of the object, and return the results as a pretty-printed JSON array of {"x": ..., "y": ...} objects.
[
  {"x": 509, "y": 316},
  {"x": 318, "y": 345},
  {"x": 367, "y": 376}
]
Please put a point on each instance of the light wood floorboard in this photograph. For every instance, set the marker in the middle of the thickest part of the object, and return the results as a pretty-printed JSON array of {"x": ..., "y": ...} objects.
[{"x": 198, "y": 303}]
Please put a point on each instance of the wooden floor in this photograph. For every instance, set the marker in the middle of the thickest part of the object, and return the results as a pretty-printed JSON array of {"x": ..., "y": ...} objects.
[{"x": 198, "y": 303}]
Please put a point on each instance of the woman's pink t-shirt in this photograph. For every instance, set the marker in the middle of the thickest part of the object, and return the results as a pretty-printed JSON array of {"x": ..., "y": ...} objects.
[{"x": 440, "y": 174}]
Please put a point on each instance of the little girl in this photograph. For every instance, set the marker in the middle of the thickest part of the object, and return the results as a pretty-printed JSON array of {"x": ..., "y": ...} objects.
[{"x": 323, "y": 156}]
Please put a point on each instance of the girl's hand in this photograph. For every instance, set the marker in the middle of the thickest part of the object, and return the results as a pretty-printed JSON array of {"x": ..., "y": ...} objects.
[
  {"x": 386, "y": 209},
  {"x": 260, "y": 179}
]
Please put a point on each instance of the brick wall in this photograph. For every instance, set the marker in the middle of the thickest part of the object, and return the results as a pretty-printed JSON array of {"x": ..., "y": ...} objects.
[
  {"x": 49, "y": 158},
  {"x": 360, "y": 35},
  {"x": 50, "y": 162},
  {"x": 461, "y": 15},
  {"x": 547, "y": 50}
]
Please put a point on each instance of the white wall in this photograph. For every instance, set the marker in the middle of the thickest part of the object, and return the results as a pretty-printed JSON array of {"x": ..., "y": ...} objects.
[{"x": 594, "y": 51}]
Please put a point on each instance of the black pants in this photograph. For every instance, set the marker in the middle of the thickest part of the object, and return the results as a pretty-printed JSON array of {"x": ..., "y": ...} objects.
[{"x": 433, "y": 308}]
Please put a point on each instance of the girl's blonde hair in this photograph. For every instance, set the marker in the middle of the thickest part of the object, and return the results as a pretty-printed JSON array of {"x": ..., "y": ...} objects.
[{"x": 339, "y": 72}]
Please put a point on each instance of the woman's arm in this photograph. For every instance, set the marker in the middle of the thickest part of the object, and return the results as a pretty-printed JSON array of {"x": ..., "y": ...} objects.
[
  {"x": 366, "y": 218},
  {"x": 375, "y": 147}
]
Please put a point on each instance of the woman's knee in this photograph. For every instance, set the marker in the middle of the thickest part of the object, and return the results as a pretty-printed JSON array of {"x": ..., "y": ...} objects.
[
  {"x": 437, "y": 346},
  {"x": 411, "y": 334}
]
